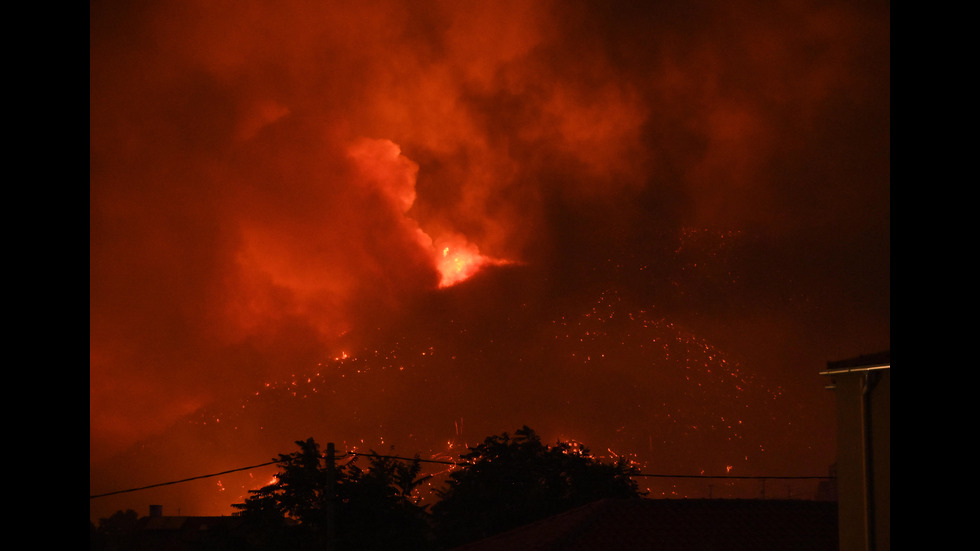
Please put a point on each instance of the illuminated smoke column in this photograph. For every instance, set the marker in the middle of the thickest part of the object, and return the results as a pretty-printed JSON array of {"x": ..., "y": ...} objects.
[{"x": 383, "y": 166}]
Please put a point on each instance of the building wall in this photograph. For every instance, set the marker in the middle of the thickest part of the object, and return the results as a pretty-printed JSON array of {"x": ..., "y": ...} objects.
[
  {"x": 881, "y": 432},
  {"x": 864, "y": 464},
  {"x": 850, "y": 461}
]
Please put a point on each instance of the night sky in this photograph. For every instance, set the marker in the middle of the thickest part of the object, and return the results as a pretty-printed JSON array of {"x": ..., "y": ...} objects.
[{"x": 407, "y": 225}]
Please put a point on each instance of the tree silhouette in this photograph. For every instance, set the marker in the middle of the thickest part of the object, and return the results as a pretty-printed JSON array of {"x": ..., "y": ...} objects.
[
  {"x": 377, "y": 508},
  {"x": 372, "y": 508},
  {"x": 512, "y": 481}
]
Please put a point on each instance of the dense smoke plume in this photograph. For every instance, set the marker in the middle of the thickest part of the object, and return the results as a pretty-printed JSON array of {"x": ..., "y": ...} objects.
[{"x": 275, "y": 184}]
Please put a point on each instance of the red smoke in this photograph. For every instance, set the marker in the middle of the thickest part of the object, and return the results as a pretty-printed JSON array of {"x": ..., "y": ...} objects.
[{"x": 270, "y": 182}]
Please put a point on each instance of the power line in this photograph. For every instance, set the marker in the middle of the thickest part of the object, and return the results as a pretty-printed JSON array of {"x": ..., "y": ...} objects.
[
  {"x": 255, "y": 467},
  {"x": 183, "y": 480},
  {"x": 756, "y": 477},
  {"x": 460, "y": 463}
]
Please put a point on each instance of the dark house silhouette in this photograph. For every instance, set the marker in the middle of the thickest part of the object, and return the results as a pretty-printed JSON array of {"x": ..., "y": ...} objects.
[
  {"x": 182, "y": 533},
  {"x": 677, "y": 525},
  {"x": 863, "y": 389}
]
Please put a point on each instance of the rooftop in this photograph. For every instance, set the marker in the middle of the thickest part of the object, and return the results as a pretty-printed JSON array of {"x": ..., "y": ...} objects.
[{"x": 677, "y": 524}]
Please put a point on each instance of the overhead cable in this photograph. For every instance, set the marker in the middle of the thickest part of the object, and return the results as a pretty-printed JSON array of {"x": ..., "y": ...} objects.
[{"x": 459, "y": 463}]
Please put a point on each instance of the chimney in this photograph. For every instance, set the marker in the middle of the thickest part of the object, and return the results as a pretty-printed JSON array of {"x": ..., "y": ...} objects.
[{"x": 156, "y": 510}]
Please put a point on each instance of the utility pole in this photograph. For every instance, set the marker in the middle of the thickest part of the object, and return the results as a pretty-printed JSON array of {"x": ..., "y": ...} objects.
[{"x": 331, "y": 498}]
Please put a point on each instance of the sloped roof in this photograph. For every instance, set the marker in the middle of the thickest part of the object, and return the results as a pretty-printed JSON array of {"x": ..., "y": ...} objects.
[
  {"x": 865, "y": 360},
  {"x": 677, "y": 525},
  {"x": 190, "y": 523}
]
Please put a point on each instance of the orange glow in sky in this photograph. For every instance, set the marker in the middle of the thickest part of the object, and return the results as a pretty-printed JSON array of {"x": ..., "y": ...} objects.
[{"x": 624, "y": 220}]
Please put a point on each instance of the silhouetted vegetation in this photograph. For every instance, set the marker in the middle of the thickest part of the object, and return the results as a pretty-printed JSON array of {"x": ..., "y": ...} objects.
[
  {"x": 370, "y": 509},
  {"x": 507, "y": 482},
  {"x": 512, "y": 481}
]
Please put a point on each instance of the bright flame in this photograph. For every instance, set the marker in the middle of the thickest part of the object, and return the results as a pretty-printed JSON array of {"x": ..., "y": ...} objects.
[
  {"x": 458, "y": 260},
  {"x": 459, "y": 264}
]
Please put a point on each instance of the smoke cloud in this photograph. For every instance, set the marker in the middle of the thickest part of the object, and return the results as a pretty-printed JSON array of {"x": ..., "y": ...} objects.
[{"x": 271, "y": 182}]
